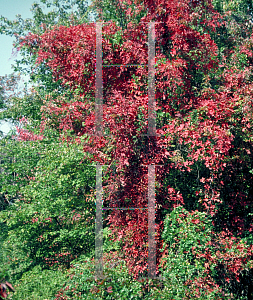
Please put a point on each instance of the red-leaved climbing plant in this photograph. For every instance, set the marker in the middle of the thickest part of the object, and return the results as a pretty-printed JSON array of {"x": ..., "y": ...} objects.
[{"x": 199, "y": 123}]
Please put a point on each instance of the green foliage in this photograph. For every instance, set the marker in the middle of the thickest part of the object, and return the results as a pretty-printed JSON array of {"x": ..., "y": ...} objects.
[
  {"x": 53, "y": 221},
  {"x": 39, "y": 284},
  {"x": 115, "y": 11},
  {"x": 238, "y": 6},
  {"x": 184, "y": 234},
  {"x": 4, "y": 272},
  {"x": 117, "y": 284},
  {"x": 107, "y": 244},
  {"x": 18, "y": 162},
  {"x": 239, "y": 26},
  {"x": 191, "y": 258},
  {"x": 8, "y": 88}
]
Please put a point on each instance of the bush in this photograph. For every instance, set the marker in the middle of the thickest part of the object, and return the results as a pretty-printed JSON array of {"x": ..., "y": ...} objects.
[
  {"x": 186, "y": 234},
  {"x": 117, "y": 284},
  {"x": 52, "y": 221},
  {"x": 38, "y": 284}
]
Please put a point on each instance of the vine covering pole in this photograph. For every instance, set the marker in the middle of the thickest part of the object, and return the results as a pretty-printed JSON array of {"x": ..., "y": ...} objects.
[{"x": 151, "y": 168}]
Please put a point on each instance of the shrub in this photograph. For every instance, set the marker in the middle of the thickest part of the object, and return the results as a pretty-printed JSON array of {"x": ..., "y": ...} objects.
[{"x": 38, "y": 284}]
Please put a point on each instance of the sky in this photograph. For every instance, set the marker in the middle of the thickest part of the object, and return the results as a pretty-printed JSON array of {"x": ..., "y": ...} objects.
[{"x": 9, "y": 9}]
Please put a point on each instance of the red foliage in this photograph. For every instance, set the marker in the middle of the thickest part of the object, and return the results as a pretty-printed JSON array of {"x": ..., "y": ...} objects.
[
  {"x": 26, "y": 135},
  {"x": 188, "y": 54}
]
